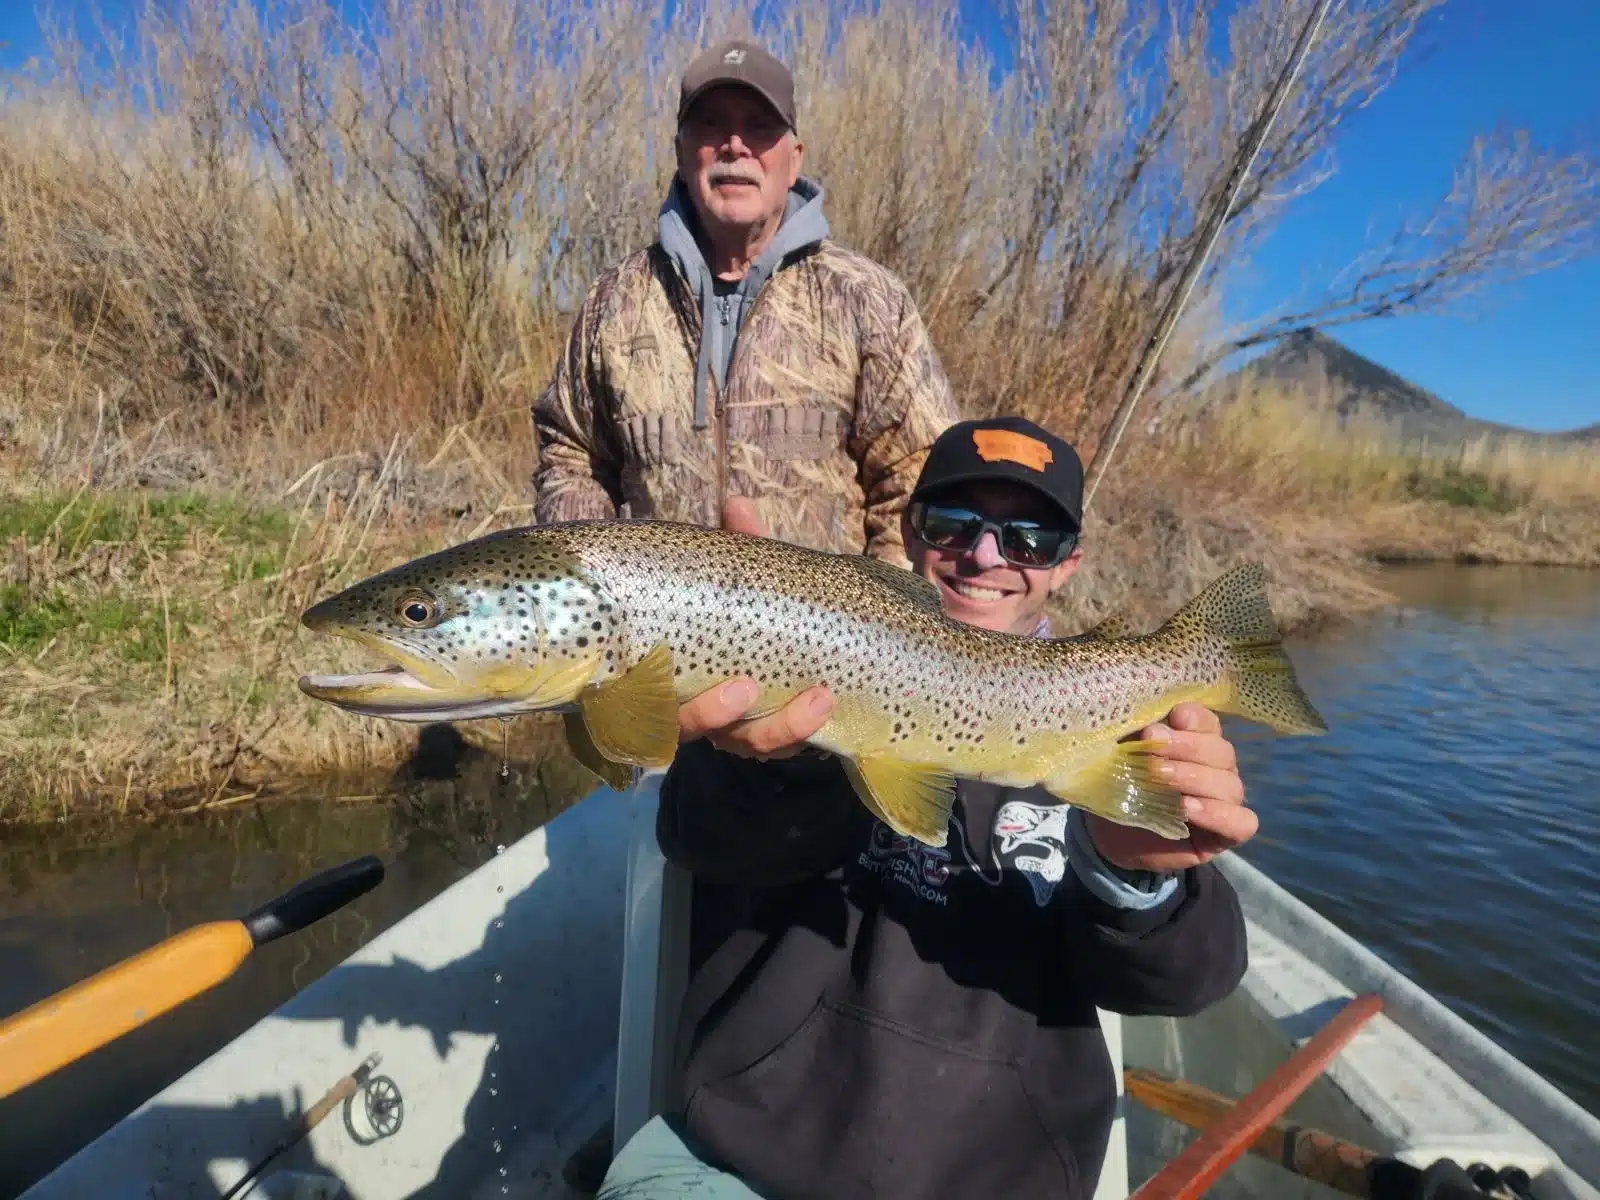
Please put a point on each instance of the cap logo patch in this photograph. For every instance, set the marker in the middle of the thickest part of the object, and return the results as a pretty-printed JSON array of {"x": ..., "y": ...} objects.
[
  {"x": 733, "y": 56},
  {"x": 1003, "y": 444}
]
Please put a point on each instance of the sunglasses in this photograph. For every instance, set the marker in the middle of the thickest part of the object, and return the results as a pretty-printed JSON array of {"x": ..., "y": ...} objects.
[{"x": 1022, "y": 543}]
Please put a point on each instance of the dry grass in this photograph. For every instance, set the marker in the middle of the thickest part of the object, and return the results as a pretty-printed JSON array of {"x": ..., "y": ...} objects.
[
  {"x": 274, "y": 300},
  {"x": 149, "y": 646}
]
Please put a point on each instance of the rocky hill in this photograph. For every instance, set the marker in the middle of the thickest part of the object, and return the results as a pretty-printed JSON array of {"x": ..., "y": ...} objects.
[{"x": 1351, "y": 383}]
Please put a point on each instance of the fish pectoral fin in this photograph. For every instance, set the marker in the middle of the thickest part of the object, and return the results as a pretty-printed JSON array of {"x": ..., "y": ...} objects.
[
  {"x": 615, "y": 775},
  {"x": 1121, "y": 787},
  {"x": 634, "y": 718},
  {"x": 911, "y": 800}
]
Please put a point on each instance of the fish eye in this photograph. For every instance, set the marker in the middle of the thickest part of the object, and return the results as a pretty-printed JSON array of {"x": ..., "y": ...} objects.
[{"x": 418, "y": 610}]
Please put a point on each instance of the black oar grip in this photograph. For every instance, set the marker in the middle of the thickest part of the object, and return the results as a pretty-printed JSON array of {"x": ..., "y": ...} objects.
[{"x": 312, "y": 899}]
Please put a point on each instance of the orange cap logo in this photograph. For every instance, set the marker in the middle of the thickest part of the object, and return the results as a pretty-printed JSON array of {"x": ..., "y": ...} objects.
[{"x": 997, "y": 444}]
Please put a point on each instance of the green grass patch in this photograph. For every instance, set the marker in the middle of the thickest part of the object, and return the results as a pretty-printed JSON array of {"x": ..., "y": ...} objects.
[
  {"x": 135, "y": 629},
  {"x": 164, "y": 520},
  {"x": 1462, "y": 489}
]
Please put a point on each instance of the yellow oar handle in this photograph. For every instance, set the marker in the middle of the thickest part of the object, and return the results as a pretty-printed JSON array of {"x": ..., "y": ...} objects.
[{"x": 95, "y": 1011}]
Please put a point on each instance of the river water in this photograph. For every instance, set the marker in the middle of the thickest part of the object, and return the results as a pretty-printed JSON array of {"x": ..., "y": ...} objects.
[{"x": 1449, "y": 821}]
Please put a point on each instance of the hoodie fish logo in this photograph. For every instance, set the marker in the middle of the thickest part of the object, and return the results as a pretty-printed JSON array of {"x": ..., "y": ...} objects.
[{"x": 1019, "y": 825}]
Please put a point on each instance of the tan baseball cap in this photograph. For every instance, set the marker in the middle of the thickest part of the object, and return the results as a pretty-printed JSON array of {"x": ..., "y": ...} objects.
[{"x": 737, "y": 61}]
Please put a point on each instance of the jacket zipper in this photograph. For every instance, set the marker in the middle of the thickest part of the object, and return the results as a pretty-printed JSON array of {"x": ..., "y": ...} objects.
[
  {"x": 692, "y": 335},
  {"x": 722, "y": 409}
]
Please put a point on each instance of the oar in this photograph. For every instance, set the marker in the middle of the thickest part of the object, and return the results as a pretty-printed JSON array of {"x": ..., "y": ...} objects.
[
  {"x": 95, "y": 1011},
  {"x": 1309, "y": 1153},
  {"x": 1197, "y": 1167}
]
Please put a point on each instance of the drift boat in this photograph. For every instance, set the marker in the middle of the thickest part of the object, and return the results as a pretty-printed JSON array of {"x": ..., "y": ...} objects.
[{"x": 483, "y": 1038}]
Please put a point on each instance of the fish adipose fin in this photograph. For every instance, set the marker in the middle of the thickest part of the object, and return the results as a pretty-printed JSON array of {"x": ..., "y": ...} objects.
[
  {"x": 911, "y": 800},
  {"x": 617, "y": 776},
  {"x": 634, "y": 718},
  {"x": 1258, "y": 683},
  {"x": 1121, "y": 787}
]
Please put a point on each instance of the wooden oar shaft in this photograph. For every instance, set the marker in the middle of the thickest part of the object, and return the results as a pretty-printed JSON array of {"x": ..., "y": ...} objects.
[
  {"x": 77, "y": 1020},
  {"x": 1198, "y": 1166},
  {"x": 1309, "y": 1153}
]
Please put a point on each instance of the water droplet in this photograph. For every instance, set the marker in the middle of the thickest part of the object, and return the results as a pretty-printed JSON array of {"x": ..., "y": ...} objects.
[
  {"x": 497, "y": 978},
  {"x": 505, "y": 733},
  {"x": 497, "y": 1148},
  {"x": 502, "y": 1172},
  {"x": 500, "y": 849},
  {"x": 499, "y": 923},
  {"x": 494, "y": 1091}
]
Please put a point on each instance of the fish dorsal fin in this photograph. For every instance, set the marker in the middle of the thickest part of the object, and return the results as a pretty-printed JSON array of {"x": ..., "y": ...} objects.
[
  {"x": 905, "y": 583},
  {"x": 1110, "y": 629}
]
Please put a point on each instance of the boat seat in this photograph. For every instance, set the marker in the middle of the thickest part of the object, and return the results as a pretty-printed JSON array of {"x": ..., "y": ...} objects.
[{"x": 655, "y": 969}]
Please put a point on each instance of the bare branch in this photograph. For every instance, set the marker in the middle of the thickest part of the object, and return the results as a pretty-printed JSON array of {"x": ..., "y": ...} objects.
[{"x": 1512, "y": 210}]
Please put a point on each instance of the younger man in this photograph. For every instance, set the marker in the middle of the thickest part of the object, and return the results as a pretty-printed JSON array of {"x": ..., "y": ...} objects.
[{"x": 869, "y": 1017}]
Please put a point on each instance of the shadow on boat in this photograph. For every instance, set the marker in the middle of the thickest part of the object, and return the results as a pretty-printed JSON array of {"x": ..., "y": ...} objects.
[{"x": 493, "y": 1005}]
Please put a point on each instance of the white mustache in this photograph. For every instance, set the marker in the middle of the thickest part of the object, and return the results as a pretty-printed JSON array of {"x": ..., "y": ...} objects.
[{"x": 732, "y": 171}]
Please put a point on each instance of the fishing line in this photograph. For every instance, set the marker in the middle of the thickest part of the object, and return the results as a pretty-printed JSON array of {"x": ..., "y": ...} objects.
[{"x": 1151, "y": 354}]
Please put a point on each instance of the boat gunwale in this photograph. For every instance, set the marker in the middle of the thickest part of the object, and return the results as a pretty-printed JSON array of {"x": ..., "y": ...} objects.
[{"x": 1569, "y": 1130}]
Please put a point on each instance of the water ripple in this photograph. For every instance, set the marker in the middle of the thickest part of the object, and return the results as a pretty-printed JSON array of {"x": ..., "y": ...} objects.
[{"x": 1450, "y": 819}]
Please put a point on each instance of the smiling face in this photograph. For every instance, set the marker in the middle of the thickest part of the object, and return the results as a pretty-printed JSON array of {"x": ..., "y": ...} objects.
[
  {"x": 738, "y": 160},
  {"x": 978, "y": 586}
]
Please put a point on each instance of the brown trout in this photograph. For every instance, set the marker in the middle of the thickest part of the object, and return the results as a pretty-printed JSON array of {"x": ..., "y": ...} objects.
[{"x": 614, "y": 623}]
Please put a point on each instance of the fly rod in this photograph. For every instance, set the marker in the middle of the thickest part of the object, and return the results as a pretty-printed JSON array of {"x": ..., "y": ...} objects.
[{"x": 1153, "y": 348}]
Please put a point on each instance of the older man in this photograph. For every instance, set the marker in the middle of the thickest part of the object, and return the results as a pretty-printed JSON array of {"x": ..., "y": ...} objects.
[
  {"x": 744, "y": 355},
  {"x": 869, "y": 1017}
]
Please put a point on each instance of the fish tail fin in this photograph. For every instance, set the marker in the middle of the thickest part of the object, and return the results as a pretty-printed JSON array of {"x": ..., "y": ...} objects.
[{"x": 1258, "y": 681}]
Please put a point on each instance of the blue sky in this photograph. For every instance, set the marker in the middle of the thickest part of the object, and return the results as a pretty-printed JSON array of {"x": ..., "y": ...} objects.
[{"x": 1522, "y": 355}]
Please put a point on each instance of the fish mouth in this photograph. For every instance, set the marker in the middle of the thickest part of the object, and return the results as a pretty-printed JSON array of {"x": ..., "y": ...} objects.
[
  {"x": 414, "y": 688},
  {"x": 407, "y": 688},
  {"x": 395, "y": 693}
]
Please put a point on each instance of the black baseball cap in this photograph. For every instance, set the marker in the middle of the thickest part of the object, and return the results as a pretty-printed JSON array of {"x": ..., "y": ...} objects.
[
  {"x": 746, "y": 64},
  {"x": 1011, "y": 448}
]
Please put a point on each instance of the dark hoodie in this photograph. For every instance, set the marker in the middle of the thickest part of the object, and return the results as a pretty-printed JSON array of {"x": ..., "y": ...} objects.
[
  {"x": 869, "y": 1017},
  {"x": 723, "y": 304}
]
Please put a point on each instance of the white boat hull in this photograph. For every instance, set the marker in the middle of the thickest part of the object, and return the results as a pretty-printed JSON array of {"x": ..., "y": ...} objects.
[{"x": 498, "y": 1009}]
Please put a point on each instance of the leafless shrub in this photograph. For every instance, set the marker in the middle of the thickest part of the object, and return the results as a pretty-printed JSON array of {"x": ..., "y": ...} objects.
[{"x": 285, "y": 238}]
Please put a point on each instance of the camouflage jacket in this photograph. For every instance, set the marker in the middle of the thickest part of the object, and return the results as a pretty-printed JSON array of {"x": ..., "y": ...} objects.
[{"x": 833, "y": 395}]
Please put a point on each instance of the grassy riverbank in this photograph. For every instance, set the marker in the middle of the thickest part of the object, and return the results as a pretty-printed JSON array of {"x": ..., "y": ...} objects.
[
  {"x": 274, "y": 301},
  {"x": 149, "y": 641}
]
